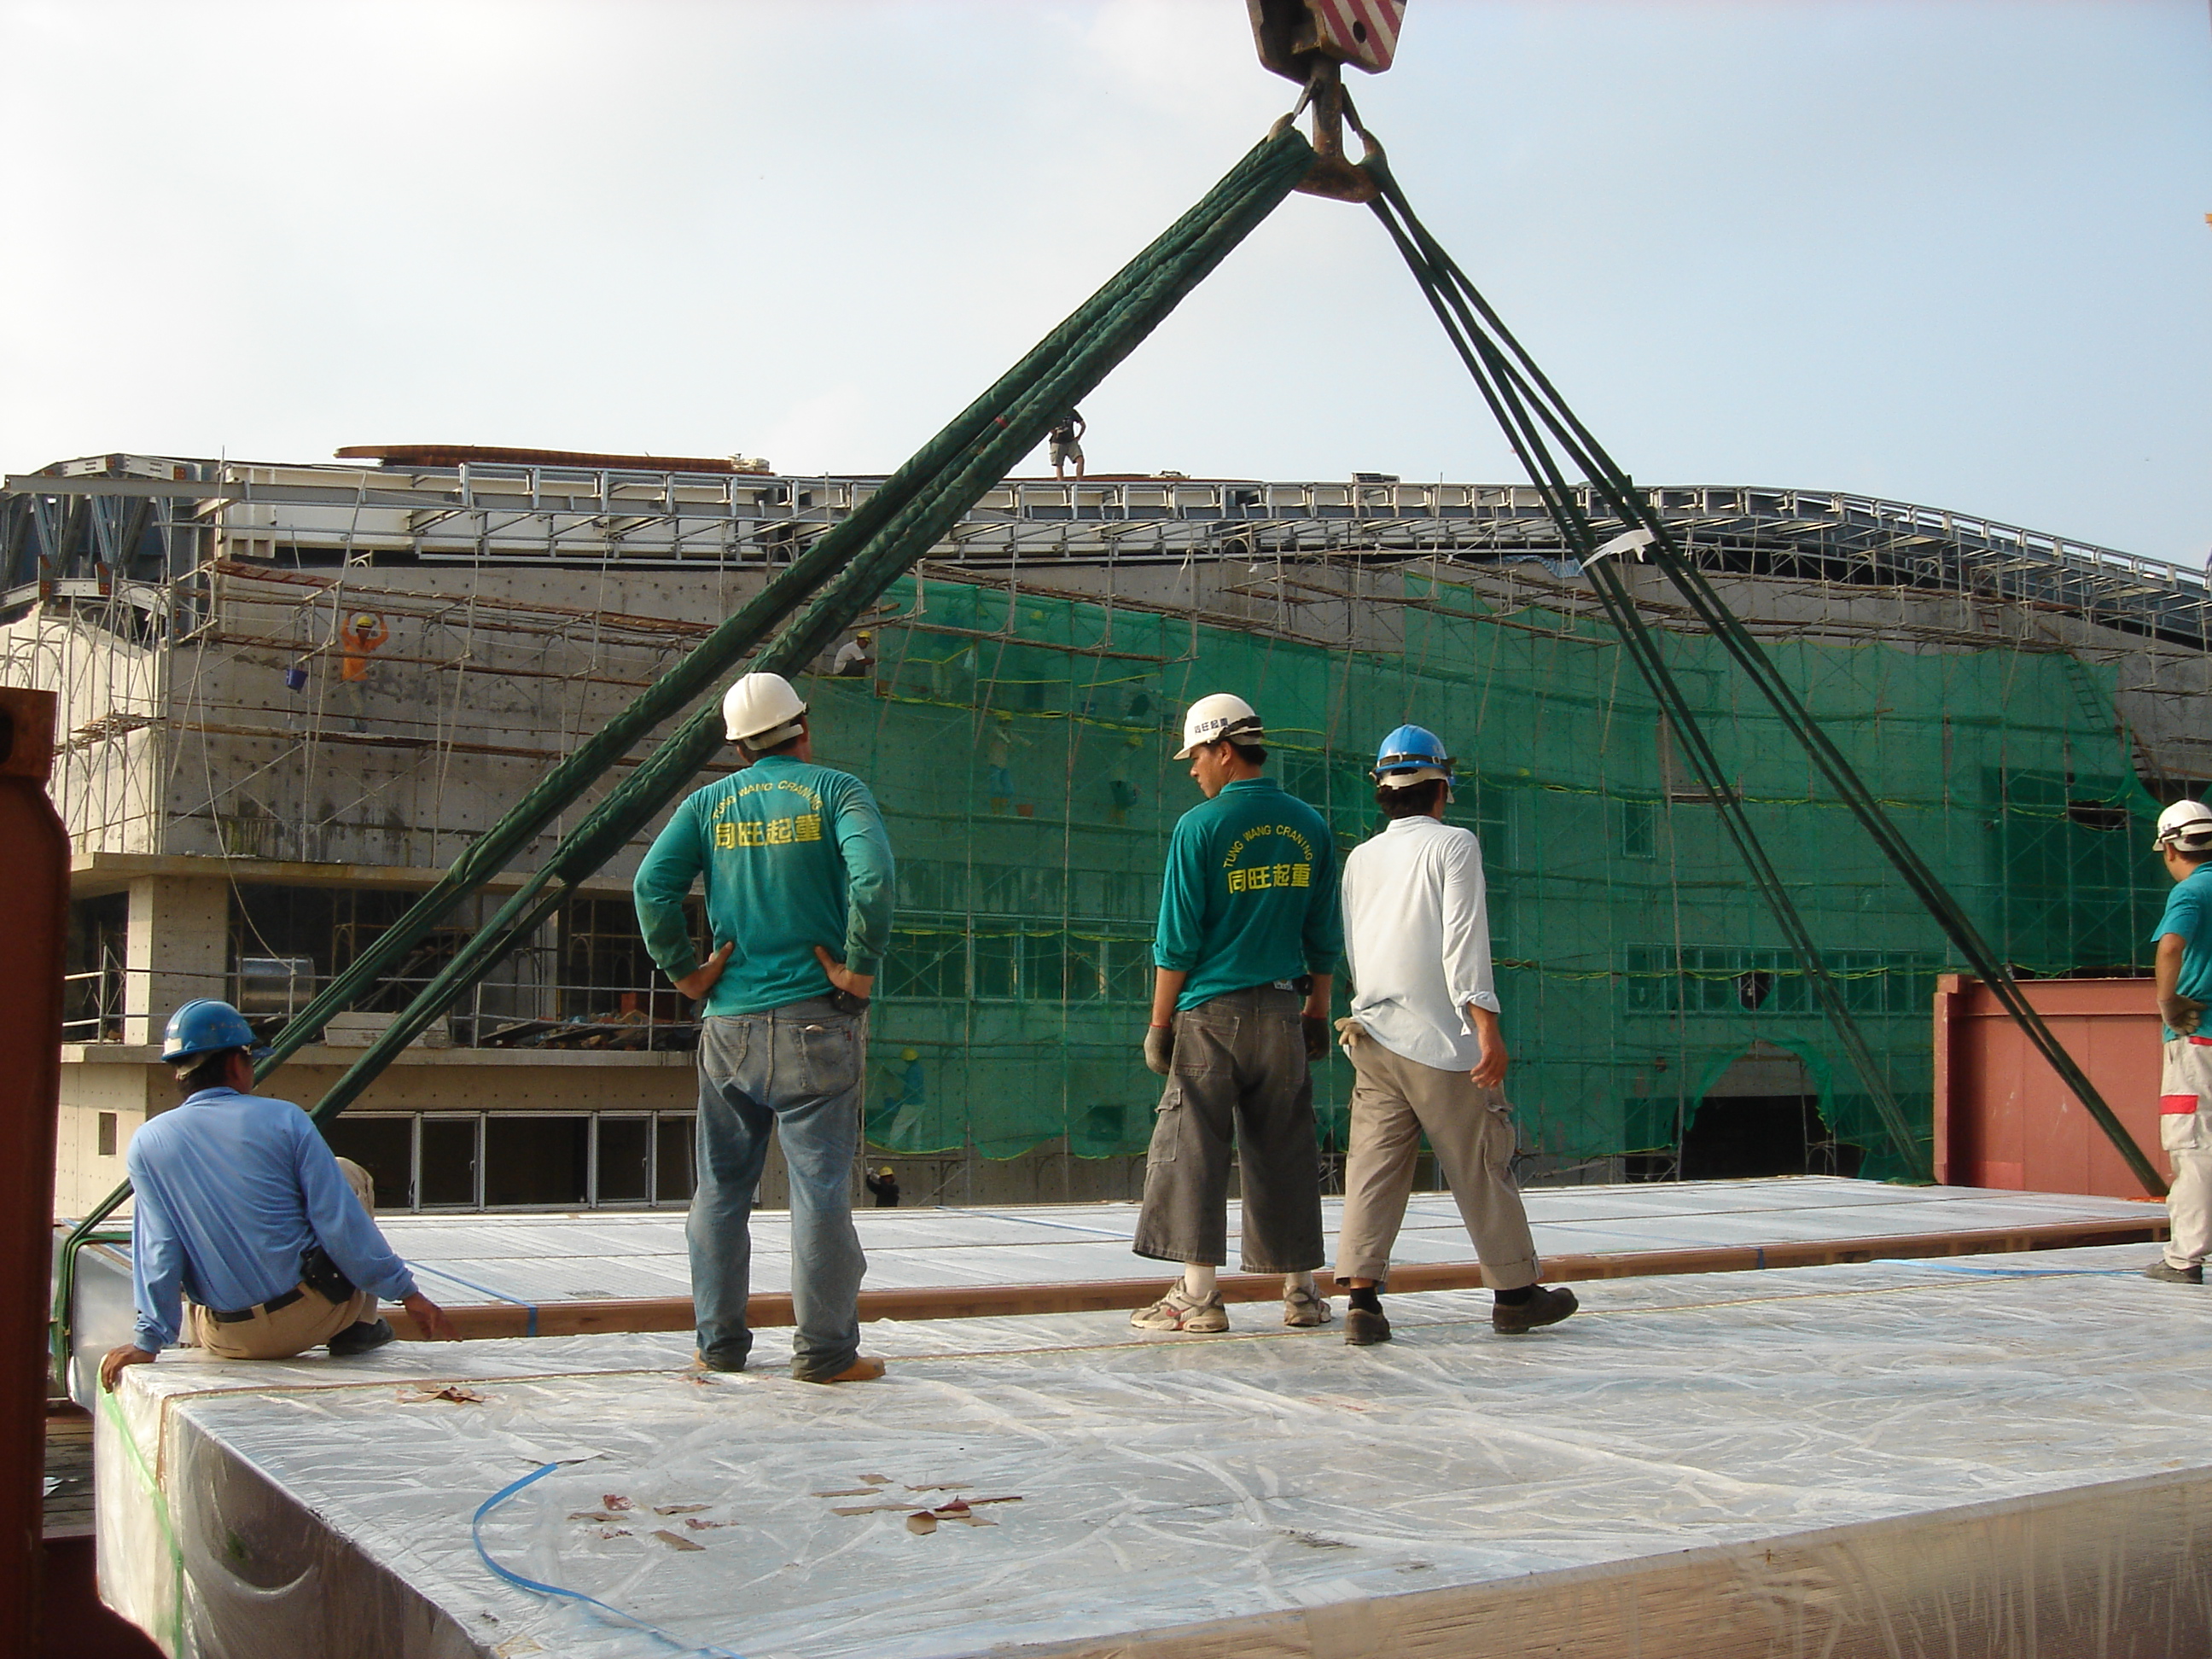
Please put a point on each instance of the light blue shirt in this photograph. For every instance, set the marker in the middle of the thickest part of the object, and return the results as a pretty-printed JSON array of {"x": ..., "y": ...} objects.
[{"x": 229, "y": 1190}]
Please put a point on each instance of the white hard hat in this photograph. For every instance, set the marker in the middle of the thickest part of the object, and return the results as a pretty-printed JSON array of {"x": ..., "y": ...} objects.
[
  {"x": 1224, "y": 714},
  {"x": 761, "y": 711},
  {"x": 2185, "y": 826}
]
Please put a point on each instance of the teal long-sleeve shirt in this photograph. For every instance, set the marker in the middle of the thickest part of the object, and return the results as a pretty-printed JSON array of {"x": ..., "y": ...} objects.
[
  {"x": 1250, "y": 894},
  {"x": 794, "y": 855}
]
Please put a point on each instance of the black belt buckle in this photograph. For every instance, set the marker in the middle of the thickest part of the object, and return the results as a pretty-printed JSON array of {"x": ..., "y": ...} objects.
[{"x": 846, "y": 1003}]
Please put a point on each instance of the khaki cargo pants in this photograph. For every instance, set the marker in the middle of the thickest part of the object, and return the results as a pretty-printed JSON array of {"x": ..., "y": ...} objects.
[
  {"x": 308, "y": 1322},
  {"x": 1239, "y": 1074},
  {"x": 1470, "y": 1129}
]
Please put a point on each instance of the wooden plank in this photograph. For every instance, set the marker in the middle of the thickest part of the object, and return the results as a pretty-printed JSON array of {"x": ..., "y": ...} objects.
[
  {"x": 1001, "y": 1301},
  {"x": 68, "y": 1511}
]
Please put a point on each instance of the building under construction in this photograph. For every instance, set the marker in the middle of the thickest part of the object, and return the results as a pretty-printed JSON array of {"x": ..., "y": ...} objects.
[{"x": 294, "y": 693}]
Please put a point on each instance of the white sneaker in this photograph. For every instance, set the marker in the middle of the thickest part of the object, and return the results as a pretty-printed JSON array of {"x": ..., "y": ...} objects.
[
  {"x": 1178, "y": 1310},
  {"x": 1302, "y": 1305}
]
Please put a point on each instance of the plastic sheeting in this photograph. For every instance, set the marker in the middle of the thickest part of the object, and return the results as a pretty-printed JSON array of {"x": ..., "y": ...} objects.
[
  {"x": 536, "y": 1260},
  {"x": 2003, "y": 1456}
]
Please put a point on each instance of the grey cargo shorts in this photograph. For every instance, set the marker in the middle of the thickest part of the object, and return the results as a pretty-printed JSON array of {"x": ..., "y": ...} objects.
[{"x": 1240, "y": 1074}]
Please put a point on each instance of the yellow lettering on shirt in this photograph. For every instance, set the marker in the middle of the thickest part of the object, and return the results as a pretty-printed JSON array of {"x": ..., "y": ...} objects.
[
  {"x": 753, "y": 835},
  {"x": 1301, "y": 875},
  {"x": 807, "y": 826},
  {"x": 726, "y": 837},
  {"x": 1282, "y": 875},
  {"x": 1235, "y": 881},
  {"x": 778, "y": 832},
  {"x": 1259, "y": 879}
]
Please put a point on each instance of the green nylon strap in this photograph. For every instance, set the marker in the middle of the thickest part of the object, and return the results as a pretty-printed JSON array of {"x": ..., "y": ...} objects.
[
  {"x": 1533, "y": 408},
  {"x": 704, "y": 667},
  {"x": 1167, "y": 272},
  {"x": 159, "y": 1501},
  {"x": 1489, "y": 370}
]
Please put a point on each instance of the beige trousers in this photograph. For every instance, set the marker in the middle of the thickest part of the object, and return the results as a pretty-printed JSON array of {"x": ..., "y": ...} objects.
[
  {"x": 1470, "y": 1129},
  {"x": 298, "y": 1326}
]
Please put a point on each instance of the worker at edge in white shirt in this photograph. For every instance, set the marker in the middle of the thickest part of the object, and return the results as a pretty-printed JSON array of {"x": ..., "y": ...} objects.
[{"x": 1424, "y": 1041}]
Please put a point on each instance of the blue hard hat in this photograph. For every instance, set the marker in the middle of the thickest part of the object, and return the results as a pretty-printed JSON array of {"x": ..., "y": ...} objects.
[
  {"x": 204, "y": 1026},
  {"x": 1412, "y": 749}
]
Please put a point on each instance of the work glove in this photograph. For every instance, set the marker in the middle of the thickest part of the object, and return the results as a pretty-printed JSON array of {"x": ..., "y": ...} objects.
[
  {"x": 1159, "y": 1048},
  {"x": 1315, "y": 1027}
]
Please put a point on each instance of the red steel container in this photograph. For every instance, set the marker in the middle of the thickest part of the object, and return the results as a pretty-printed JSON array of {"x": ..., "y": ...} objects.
[{"x": 2003, "y": 1119}]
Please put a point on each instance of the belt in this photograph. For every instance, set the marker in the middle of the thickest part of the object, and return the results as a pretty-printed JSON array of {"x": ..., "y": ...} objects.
[{"x": 285, "y": 1300}]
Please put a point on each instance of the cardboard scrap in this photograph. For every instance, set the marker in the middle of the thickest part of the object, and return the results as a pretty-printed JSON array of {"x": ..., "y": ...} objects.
[
  {"x": 677, "y": 1540},
  {"x": 416, "y": 1394},
  {"x": 921, "y": 1522},
  {"x": 954, "y": 1509},
  {"x": 615, "y": 1500},
  {"x": 677, "y": 1508}
]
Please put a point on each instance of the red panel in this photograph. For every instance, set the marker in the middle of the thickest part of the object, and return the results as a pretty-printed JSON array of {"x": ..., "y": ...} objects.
[{"x": 2005, "y": 1116}]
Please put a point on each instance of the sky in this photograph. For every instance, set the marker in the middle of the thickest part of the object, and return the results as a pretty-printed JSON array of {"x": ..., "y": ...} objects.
[{"x": 1951, "y": 251}]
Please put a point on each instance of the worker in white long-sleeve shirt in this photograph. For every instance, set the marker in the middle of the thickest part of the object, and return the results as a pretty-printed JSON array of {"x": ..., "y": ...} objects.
[{"x": 1423, "y": 1039}]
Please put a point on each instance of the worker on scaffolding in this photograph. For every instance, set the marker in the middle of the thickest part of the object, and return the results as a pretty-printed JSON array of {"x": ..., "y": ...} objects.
[
  {"x": 241, "y": 1208},
  {"x": 365, "y": 633},
  {"x": 2182, "y": 971},
  {"x": 855, "y": 658},
  {"x": 1248, "y": 940},
  {"x": 794, "y": 859},
  {"x": 1424, "y": 1042}
]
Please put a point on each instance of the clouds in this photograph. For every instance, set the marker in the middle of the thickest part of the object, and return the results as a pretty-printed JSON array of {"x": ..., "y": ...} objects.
[{"x": 1949, "y": 252}]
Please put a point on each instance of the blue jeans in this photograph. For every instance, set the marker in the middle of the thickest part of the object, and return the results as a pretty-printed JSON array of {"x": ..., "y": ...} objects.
[{"x": 795, "y": 1070}]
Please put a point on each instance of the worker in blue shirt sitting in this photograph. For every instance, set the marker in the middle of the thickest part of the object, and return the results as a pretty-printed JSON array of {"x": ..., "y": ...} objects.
[{"x": 241, "y": 1206}]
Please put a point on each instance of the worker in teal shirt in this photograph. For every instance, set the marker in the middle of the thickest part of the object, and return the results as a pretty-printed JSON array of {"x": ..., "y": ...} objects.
[
  {"x": 2182, "y": 974},
  {"x": 1248, "y": 935},
  {"x": 799, "y": 878}
]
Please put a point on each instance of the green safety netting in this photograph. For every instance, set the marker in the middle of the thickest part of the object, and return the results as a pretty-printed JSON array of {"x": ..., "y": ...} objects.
[{"x": 1021, "y": 747}]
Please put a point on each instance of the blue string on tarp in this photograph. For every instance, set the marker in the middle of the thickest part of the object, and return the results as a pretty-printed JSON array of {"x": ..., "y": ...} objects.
[{"x": 476, "y": 1533}]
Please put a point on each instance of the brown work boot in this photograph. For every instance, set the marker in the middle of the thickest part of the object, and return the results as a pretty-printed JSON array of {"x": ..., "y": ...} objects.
[
  {"x": 864, "y": 1369},
  {"x": 1548, "y": 1306}
]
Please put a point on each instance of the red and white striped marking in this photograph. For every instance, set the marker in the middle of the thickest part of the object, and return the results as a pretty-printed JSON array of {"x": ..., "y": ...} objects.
[{"x": 1361, "y": 31}]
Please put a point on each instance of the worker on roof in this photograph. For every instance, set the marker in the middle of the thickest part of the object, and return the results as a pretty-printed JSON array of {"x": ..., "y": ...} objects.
[
  {"x": 883, "y": 1186},
  {"x": 1066, "y": 440},
  {"x": 1424, "y": 1042},
  {"x": 855, "y": 657},
  {"x": 1248, "y": 940},
  {"x": 2182, "y": 969},
  {"x": 239, "y": 1206},
  {"x": 798, "y": 874}
]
